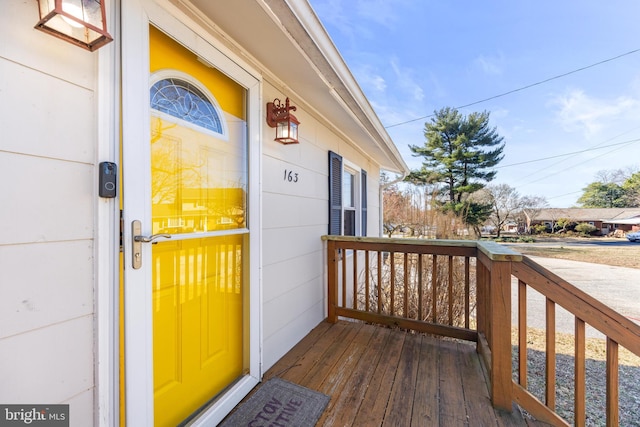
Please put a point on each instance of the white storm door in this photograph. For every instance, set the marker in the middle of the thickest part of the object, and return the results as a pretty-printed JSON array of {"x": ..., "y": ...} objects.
[{"x": 138, "y": 197}]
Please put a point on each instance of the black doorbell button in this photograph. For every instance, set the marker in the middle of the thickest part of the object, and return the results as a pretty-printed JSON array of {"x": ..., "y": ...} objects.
[{"x": 108, "y": 180}]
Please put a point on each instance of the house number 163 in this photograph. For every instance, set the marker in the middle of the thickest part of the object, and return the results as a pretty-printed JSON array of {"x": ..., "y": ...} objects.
[{"x": 290, "y": 176}]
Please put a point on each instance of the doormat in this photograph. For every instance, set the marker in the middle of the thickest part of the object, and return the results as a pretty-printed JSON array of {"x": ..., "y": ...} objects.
[{"x": 279, "y": 403}]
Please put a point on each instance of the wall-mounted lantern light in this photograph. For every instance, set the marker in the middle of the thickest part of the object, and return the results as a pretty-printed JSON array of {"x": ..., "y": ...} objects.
[
  {"x": 81, "y": 22},
  {"x": 286, "y": 124}
]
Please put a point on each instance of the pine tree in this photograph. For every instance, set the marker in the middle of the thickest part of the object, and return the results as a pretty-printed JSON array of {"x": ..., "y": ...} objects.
[{"x": 460, "y": 153}]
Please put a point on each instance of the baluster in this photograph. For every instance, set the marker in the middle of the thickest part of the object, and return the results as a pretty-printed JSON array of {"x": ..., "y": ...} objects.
[
  {"x": 419, "y": 271},
  {"x": 405, "y": 302},
  {"x": 434, "y": 289},
  {"x": 450, "y": 290},
  {"x": 580, "y": 374},
  {"x": 522, "y": 333},
  {"x": 392, "y": 260},
  {"x": 550, "y": 369},
  {"x": 366, "y": 280},
  {"x": 355, "y": 279},
  {"x": 332, "y": 271},
  {"x": 379, "y": 260},
  {"x": 612, "y": 383},
  {"x": 343, "y": 286},
  {"x": 467, "y": 292}
]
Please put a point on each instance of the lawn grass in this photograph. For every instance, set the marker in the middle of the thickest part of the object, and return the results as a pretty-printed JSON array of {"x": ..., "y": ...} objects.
[{"x": 618, "y": 256}]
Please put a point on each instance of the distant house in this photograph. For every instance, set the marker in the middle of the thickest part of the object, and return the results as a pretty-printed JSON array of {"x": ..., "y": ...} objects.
[{"x": 606, "y": 220}]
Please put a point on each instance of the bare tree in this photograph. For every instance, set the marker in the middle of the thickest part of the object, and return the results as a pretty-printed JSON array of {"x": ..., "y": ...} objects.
[
  {"x": 556, "y": 216},
  {"x": 397, "y": 210},
  {"x": 506, "y": 203},
  {"x": 614, "y": 176},
  {"x": 531, "y": 208}
]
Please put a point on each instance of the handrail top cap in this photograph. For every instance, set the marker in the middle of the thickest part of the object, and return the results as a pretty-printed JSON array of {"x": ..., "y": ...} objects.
[{"x": 493, "y": 250}]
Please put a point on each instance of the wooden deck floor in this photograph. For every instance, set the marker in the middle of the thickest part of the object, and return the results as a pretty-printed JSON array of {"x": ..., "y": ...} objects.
[{"x": 382, "y": 377}]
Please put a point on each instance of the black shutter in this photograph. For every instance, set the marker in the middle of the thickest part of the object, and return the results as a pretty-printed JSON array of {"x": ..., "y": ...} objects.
[
  {"x": 335, "y": 193},
  {"x": 363, "y": 201}
]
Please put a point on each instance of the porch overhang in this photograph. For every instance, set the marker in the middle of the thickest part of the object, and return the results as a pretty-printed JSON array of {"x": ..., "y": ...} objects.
[{"x": 286, "y": 40}]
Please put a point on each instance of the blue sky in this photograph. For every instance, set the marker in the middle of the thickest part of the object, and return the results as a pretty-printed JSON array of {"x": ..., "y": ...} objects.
[{"x": 412, "y": 57}]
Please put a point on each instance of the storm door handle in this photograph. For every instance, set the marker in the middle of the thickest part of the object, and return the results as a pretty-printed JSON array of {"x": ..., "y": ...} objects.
[
  {"x": 138, "y": 240},
  {"x": 149, "y": 239}
]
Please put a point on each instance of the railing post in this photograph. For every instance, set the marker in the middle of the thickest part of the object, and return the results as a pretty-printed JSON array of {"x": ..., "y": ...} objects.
[
  {"x": 332, "y": 281},
  {"x": 482, "y": 309},
  {"x": 499, "y": 294}
]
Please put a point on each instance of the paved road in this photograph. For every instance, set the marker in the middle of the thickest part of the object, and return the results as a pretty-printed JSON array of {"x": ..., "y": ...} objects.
[{"x": 617, "y": 287}]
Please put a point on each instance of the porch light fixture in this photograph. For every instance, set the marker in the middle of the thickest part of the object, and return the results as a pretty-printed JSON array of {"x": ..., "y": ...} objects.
[
  {"x": 81, "y": 22},
  {"x": 286, "y": 124}
]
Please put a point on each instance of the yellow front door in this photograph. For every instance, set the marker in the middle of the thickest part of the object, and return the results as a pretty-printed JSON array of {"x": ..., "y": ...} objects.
[{"x": 199, "y": 199}]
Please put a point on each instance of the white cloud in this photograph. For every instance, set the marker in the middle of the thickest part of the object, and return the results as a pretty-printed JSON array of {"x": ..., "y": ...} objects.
[
  {"x": 370, "y": 81},
  {"x": 391, "y": 89},
  {"x": 333, "y": 13},
  {"x": 382, "y": 12},
  {"x": 405, "y": 81},
  {"x": 635, "y": 84},
  {"x": 437, "y": 89},
  {"x": 354, "y": 19},
  {"x": 490, "y": 66},
  {"x": 378, "y": 83},
  {"x": 499, "y": 113},
  {"x": 579, "y": 112}
]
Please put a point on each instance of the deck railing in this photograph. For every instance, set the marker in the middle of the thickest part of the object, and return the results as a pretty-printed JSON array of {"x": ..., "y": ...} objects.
[
  {"x": 586, "y": 310},
  {"x": 462, "y": 289}
]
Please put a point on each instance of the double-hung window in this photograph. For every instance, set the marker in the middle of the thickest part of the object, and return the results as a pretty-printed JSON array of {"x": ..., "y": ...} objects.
[
  {"x": 347, "y": 198},
  {"x": 348, "y": 202}
]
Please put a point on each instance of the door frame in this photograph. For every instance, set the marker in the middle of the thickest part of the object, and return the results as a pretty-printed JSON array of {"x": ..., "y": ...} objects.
[{"x": 136, "y": 16}]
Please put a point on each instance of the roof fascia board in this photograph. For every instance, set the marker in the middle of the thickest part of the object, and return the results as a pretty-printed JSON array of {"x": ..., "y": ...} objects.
[
  {"x": 296, "y": 19},
  {"x": 186, "y": 9},
  {"x": 345, "y": 80}
]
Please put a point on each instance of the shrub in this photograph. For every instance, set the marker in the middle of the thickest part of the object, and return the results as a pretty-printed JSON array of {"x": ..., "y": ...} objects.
[
  {"x": 564, "y": 225},
  {"x": 433, "y": 293},
  {"x": 585, "y": 228},
  {"x": 539, "y": 229}
]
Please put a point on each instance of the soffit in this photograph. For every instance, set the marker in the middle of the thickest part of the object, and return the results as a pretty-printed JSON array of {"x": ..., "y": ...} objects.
[{"x": 287, "y": 39}]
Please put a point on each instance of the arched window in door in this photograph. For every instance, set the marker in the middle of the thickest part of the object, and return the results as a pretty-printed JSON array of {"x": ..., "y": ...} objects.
[{"x": 181, "y": 97}]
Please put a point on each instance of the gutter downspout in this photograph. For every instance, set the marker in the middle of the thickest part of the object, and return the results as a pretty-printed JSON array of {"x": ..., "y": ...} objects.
[{"x": 402, "y": 176}]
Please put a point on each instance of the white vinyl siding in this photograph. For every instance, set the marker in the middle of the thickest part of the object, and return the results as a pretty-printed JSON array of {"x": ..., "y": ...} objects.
[{"x": 48, "y": 255}]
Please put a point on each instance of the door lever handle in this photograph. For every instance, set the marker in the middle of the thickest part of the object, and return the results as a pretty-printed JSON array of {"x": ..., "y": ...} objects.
[
  {"x": 149, "y": 239},
  {"x": 138, "y": 240}
]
